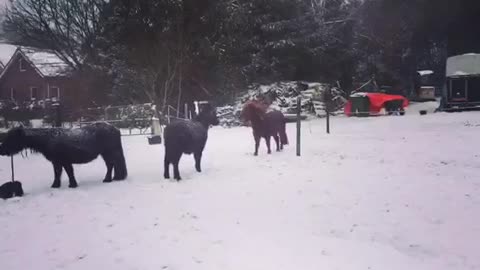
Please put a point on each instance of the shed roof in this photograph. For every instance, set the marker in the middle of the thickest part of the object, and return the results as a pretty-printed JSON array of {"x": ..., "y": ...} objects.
[{"x": 463, "y": 65}]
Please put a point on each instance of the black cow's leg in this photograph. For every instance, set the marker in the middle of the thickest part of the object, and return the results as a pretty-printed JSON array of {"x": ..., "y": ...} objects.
[
  {"x": 71, "y": 177},
  {"x": 198, "y": 159},
  {"x": 57, "y": 170}
]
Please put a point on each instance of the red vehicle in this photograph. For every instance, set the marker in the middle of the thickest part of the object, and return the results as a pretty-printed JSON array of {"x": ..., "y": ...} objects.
[{"x": 366, "y": 104}]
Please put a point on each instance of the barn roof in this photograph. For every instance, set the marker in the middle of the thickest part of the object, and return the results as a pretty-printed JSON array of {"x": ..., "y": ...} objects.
[{"x": 46, "y": 62}]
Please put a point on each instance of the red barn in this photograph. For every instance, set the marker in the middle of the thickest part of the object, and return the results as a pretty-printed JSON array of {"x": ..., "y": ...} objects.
[{"x": 35, "y": 74}]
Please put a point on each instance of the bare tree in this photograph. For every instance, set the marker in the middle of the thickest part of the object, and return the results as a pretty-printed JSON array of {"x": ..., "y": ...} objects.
[{"x": 68, "y": 27}]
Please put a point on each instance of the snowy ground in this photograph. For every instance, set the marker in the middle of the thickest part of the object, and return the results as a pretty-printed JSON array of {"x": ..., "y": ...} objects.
[{"x": 379, "y": 193}]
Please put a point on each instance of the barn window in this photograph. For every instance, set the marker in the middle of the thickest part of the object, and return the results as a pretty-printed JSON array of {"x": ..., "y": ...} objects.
[
  {"x": 34, "y": 93},
  {"x": 22, "y": 65},
  {"x": 54, "y": 92}
]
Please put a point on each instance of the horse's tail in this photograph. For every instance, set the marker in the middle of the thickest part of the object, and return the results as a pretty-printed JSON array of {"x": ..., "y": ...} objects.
[
  {"x": 119, "y": 163},
  {"x": 283, "y": 133}
]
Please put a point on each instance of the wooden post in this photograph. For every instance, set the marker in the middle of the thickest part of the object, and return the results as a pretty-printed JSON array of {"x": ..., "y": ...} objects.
[
  {"x": 13, "y": 169},
  {"x": 328, "y": 122},
  {"x": 152, "y": 127},
  {"x": 186, "y": 111},
  {"x": 58, "y": 116},
  {"x": 299, "y": 124},
  {"x": 197, "y": 109},
  {"x": 327, "y": 102}
]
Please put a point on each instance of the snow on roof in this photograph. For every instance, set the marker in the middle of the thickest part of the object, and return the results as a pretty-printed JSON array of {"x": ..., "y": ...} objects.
[
  {"x": 425, "y": 72},
  {"x": 463, "y": 65},
  {"x": 6, "y": 52},
  {"x": 45, "y": 61}
]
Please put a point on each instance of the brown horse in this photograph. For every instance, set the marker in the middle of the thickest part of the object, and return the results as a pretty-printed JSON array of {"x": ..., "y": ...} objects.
[{"x": 265, "y": 124}]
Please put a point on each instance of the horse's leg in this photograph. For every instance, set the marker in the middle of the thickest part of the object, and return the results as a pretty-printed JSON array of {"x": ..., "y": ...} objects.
[
  {"x": 166, "y": 170},
  {"x": 176, "y": 171},
  {"x": 57, "y": 169},
  {"x": 267, "y": 141},
  {"x": 257, "y": 144},
  {"x": 198, "y": 159},
  {"x": 109, "y": 163},
  {"x": 71, "y": 177},
  {"x": 277, "y": 142}
]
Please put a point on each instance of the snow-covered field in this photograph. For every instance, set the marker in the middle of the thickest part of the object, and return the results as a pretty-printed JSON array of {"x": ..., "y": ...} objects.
[{"x": 379, "y": 193}]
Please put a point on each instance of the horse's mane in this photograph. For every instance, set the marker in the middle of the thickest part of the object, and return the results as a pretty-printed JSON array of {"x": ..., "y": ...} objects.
[{"x": 252, "y": 108}]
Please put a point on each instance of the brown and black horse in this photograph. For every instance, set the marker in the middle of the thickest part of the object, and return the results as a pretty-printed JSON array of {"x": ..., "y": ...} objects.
[{"x": 265, "y": 124}]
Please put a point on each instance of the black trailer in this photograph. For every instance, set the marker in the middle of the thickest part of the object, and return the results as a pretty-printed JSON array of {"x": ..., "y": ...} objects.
[{"x": 462, "y": 89}]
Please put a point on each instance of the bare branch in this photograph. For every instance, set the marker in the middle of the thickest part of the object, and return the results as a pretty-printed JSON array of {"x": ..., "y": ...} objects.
[{"x": 67, "y": 27}]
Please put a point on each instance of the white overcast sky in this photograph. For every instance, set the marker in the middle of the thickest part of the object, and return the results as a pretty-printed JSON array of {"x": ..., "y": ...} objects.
[{"x": 2, "y": 6}]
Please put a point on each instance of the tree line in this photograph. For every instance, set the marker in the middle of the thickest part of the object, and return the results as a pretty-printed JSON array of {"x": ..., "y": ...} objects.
[{"x": 171, "y": 51}]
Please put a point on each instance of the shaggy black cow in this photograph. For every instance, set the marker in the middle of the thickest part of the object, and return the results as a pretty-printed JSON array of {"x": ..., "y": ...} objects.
[
  {"x": 64, "y": 147},
  {"x": 10, "y": 190},
  {"x": 187, "y": 137}
]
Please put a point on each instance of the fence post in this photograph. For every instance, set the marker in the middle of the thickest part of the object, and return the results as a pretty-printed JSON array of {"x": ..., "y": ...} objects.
[
  {"x": 12, "y": 168},
  {"x": 58, "y": 116},
  {"x": 328, "y": 122},
  {"x": 299, "y": 123},
  {"x": 327, "y": 100}
]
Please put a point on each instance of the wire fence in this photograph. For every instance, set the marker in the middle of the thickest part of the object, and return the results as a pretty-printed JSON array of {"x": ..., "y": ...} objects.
[{"x": 132, "y": 120}]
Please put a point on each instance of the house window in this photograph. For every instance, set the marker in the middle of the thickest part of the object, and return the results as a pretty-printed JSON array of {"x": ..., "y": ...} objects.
[
  {"x": 12, "y": 94},
  {"x": 34, "y": 93},
  {"x": 54, "y": 92},
  {"x": 22, "y": 64}
]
